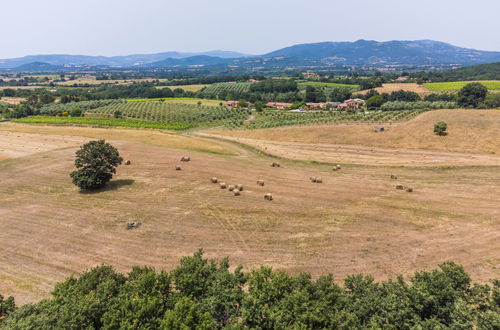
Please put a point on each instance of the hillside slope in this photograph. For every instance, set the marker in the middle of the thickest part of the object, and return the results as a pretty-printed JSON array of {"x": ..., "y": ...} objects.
[{"x": 470, "y": 131}]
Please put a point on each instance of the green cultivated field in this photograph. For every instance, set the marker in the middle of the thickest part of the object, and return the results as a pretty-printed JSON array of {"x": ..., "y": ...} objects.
[
  {"x": 147, "y": 114},
  {"x": 457, "y": 85},
  {"x": 216, "y": 89},
  {"x": 183, "y": 114},
  {"x": 278, "y": 119},
  {"x": 99, "y": 121},
  {"x": 182, "y": 100}
]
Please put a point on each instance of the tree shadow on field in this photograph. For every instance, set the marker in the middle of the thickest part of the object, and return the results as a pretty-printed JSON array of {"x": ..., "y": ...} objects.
[{"x": 112, "y": 185}]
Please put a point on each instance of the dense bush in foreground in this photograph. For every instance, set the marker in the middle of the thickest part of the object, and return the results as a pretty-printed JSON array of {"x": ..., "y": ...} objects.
[{"x": 203, "y": 294}]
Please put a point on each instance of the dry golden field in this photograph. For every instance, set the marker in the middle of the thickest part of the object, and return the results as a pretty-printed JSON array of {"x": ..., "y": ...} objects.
[
  {"x": 12, "y": 100},
  {"x": 394, "y": 87},
  {"x": 469, "y": 132},
  {"x": 355, "y": 221}
]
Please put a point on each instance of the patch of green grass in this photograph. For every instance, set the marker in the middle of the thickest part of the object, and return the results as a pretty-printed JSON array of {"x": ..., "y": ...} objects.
[
  {"x": 101, "y": 121},
  {"x": 457, "y": 85}
]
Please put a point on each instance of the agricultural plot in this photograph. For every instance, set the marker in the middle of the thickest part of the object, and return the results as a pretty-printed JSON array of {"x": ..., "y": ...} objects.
[
  {"x": 303, "y": 85},
  {"x": 183, "y": 115},
  {"x": 189, "y": 88},
  {"x": 278, "y": 119},
  {"x": 457, "y": 85},
  {"x": 217, "y": 89},
  {"x": 182, "y": 100}
]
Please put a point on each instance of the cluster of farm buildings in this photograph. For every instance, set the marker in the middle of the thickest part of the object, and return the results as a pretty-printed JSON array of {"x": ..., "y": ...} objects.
[{"x": 351, "y": 104}]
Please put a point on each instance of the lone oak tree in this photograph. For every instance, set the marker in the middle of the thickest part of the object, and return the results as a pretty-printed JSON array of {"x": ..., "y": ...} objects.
[{"x": 96, "y": 163}]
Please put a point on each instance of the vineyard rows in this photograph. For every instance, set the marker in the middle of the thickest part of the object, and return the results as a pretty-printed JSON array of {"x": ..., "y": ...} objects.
[
  {"x": 277, "y": 119},
  {"x": 216, "y": 89},
  {"x": 186, "y": 114}
]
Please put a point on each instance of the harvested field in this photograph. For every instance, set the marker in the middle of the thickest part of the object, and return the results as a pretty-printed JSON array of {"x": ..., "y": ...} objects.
[
  {"x": 12, "y": 100},
  {"x": 469, "y": 132},
  {"x": 394, "y": 87},
  {"x": 355, "y": 221}
]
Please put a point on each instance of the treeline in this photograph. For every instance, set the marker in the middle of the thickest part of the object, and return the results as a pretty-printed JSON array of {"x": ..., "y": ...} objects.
[
  {"x": 205, "y": 294},
  {"x": 209, "y": 80},
  {"x": 489, "y": 71},
  {"x": 135, "y": 90}
]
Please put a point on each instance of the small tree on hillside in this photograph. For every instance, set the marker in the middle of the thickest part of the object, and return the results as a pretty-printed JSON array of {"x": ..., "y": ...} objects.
[
  {"x": 259, "y": 106},
  {"x": 471, "y": 95},
  {"x": 440, "y": 128},
  {"x": 96, "y": 163}
]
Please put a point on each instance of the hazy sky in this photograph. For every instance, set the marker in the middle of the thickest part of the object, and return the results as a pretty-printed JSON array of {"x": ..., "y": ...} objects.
[{"x": 120, "y": 27}]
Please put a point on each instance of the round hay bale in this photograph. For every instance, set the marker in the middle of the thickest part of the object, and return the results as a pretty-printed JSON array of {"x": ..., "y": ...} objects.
[
  {"x": 409, "y": 189},
  {"x": 231, "y": 187},
  {"x": 400, "y": 187},
  {"x": 223, "y": 185},
  {"x": 185, "y": 159},
  {"x": 214, "y": 179},
  {"x": 177, "y": 168},
  {"x": 275, "y": 164},
  {"x": 394, "y": 177},
  {"x": 260, "y": 183},
  {"x": 334, "y": 168},
  {"x": 236, "y": 192},
  {"x": 319, "y": 180},
  {"x": 127, "y": 162},
  {"x": 239, "y": 186},
  {"x": 268, "y": 196},
  {"x": 312, "y": 178},
  {"x": 338, "y": 167}
]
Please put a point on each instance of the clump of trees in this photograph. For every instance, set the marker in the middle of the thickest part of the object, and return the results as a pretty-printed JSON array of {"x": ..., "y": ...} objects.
[
  {"x": 206, "y": 294},
  {"x": 440, "y": 128},
  {"x": 96, "y": 162},
  {"x": 471, "y": 95}
]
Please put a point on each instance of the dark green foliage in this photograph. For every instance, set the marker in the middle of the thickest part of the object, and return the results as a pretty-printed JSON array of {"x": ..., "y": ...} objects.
[
  {"x": 7, "y": 306},
  {"x": 490, "y": 71},
  {"x": 204, "y": 294},
  {"x": 96, "y": 163},
  {"x": 471, "y": 95},
  {"x": 404, "y": 96},
  {"x": 375, "y": 101},
  {"x": 314, "y": 94},
  {"x": 447, "y": 97},
  {"x": 340, "y": 94},
  {"x": 275, "y": 86},
  {"x": 76, "y": 112},
  {"x": 440, "y": 128},
  {"x": 117, "y": 114},
  {"x": 259, "y": 106},
  {"x": 492, "y": 100}
]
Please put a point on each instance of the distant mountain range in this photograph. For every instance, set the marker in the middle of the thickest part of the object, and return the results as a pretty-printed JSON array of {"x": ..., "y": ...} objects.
[
  {"x": 323, "y": 54},
  {"x": 123, "y": 61}
]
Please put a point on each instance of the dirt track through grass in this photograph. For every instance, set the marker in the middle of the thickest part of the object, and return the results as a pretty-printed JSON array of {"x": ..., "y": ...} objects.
[{"x": 354, "y": 222}]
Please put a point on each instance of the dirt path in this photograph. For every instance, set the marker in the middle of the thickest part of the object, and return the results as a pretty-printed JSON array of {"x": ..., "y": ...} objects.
[{"x": 337, "y": 153}]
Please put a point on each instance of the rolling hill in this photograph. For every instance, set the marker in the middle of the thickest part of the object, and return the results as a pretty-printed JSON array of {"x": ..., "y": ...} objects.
[{"x": 420, "y": 53}]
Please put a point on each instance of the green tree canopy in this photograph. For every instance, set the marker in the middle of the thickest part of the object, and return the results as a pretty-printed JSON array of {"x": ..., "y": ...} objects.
[
  {"x": 471, "y": 95},
  {"x": 96, "y": 163},
  {"x": 204, "y": 294}
]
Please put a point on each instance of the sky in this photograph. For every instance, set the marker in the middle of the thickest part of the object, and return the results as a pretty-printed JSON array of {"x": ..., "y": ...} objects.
[{"x": 122, "y": 27}]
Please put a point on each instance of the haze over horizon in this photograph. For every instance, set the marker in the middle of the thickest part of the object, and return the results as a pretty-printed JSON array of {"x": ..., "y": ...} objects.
[{"x": 130, "y": 27}]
